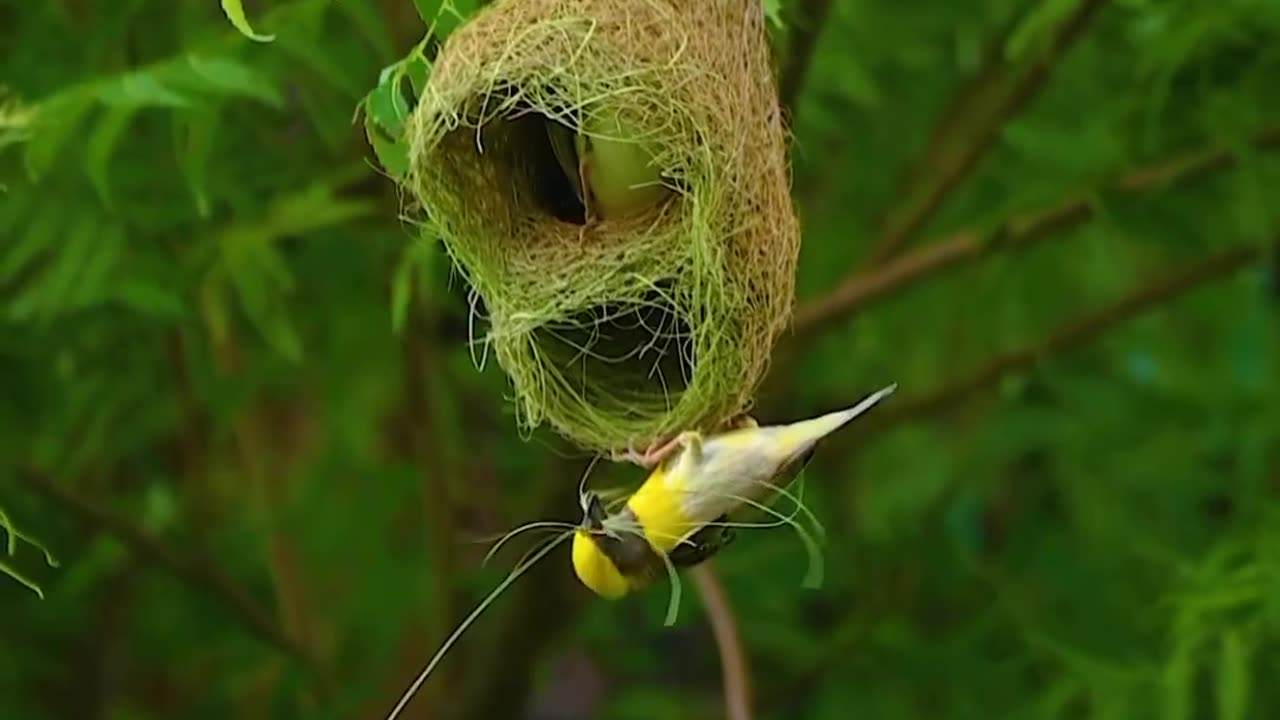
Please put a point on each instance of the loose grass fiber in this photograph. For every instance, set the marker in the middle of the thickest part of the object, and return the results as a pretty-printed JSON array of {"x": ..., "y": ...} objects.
[{"x": 634, "y": 328}]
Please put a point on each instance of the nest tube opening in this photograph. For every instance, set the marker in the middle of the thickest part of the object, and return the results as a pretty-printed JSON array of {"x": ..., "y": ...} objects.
[{"x": 632, "y": 358}]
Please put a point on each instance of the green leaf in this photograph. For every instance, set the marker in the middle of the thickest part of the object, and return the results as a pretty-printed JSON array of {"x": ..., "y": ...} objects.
[
  {"x": 392, "y": 155},
  {"x": 1036, "y": 27},
  {"x": 99, "y": 269},
  {"x": 773, "y": 12},
  {"x": 1233, "y": 677},
  {"x": 401, "y": 292},
  {"x": 860, "y": 85},
  {"x": 418, "y": 69},
  {"x": 12, "y": 536},
  {"x": 59, "y": 284},
  {"x": 385, "y": 104},
  {"x": 159, "y": 512},
  {"x": 427, "y": 10},
  {"x": 320, "y": 60},
  {"x": 451, "y": 16},
  {"x": 416, "y": 264},
  {"x": 101, "y": 143},
  {"x": 55, "y": 121},
  {"x": 371, "y": 21},
  {"x": 14, "y": 573},
  {"x": 235, "y": 13},
  {"x": 194, "y": 147},
  {"x": 312, "y": 209},
  {"x": 264, "y": 307},
  {"x": 33, "y": 242},
  {"x": 234, "y": 78},
  {"x": 16, "y": 118},
  {"x": 143, "y": 88},
  {"x": 1180, "y": 671},
  {"x": 149, "y": 299}
]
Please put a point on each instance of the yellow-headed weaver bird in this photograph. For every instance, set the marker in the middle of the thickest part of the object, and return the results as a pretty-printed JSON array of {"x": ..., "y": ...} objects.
[{"x": 676, "y": 519}]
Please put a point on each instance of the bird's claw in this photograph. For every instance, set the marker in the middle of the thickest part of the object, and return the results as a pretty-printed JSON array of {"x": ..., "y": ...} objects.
[
  {"x": 660, "y": 450},
  {"x": 652, "y": 456}
]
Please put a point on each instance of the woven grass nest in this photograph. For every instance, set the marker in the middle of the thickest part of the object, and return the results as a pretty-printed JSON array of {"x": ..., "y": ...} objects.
[{"x": 636, "y": 327}]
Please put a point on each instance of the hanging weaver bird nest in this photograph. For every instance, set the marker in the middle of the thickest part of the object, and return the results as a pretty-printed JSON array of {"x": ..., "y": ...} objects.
[{"x": 640, "y": 311}]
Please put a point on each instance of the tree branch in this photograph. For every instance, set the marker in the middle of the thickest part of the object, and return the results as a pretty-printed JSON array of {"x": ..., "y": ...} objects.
[
  {"x": 811, "y": 16},
  {"x": 256, "y": 439},
  {"x": 733, "y": 660},
  {"x": 1018, "y": 233},
  {"x": 1068, "y": 335},
  {"x": 208, "y": 581},
  {"x": 967, "y": 128},
  {"x": 421, "y": 370}
]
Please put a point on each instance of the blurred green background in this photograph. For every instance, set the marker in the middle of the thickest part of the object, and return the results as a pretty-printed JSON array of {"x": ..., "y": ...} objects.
[{"x": 240, "y": 409}]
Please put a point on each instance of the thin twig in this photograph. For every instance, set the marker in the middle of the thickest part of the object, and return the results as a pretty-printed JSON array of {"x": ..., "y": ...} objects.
[
  {"x": 733, "y": 660},
  {"x": 864, "y": 288},
  {"x": 193, "y": 435},
  {"x": 547, "y": 601},
  {"x": 967, "y": 129},
  {"x": 1066, "y": 336},
  {"x": 251, "y": 432},
  {"x": 206, "y": 580},
  {"x": 811, "y": 16}
]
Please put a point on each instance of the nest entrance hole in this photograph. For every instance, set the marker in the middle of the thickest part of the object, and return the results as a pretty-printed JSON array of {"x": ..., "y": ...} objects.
[
  {"x": 521, "y": 136},
  {"x": 522, "y": 141},
  {"x": 635, "y": 357}
]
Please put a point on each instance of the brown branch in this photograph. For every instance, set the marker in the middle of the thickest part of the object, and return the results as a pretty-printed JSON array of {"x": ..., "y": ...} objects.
[
  {"x": 257, "y": 442},
  {"x": 206, "y": 580},
  {"x": 1068, "y": 335},
  {"x": 193, "y": 427},
  {"x": 899, "y": 274},
  {"x": 811, "y": 16},
  {"x": 421, "y": 370},
  {"x": 968, "y": 127},
  {"x": 733, "y": 660}
]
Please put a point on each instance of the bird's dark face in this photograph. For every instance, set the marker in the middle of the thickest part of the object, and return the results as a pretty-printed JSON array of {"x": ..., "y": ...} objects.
[{"x": 628, "y": 551}]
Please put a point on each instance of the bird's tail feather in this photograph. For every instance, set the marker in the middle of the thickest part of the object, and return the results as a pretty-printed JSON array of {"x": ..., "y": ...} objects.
[{"x": 806, "y": 433}]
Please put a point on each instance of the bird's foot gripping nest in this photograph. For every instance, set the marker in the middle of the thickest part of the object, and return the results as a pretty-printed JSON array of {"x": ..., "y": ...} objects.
[{"x": 660, "y": 450}]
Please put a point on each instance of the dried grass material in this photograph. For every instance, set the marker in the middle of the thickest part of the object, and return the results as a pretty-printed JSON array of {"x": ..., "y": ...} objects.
[{"x": 637, "y": 328}]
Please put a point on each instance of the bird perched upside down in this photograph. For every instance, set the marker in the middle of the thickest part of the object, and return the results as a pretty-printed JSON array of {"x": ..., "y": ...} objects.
[{"x": 676, "y": 518}]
